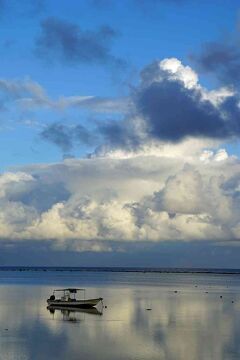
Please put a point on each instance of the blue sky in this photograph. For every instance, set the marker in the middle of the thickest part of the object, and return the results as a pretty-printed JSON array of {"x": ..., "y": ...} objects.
[{"x": 128, "y": 110}]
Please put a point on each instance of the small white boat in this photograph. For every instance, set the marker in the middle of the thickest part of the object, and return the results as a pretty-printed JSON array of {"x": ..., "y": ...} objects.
[{"x": 68, "y": 299}]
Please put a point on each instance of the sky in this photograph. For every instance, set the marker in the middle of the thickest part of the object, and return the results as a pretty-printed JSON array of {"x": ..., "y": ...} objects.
[{"x": 119, "y": 133}]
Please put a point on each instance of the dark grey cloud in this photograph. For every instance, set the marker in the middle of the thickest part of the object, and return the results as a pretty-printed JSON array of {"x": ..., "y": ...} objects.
[
  {"x": 163, "y": 108},
  {"x": 169, "y": 111},
  {"x": 173, "y": 112},
  {"x": 82, "y": 135},
  {"x": 67, "y": 42},
  {"x": 58, "y": 134},
  {"x": 222, "y": 58},
  {"x": 118, "y": 134},
  {"x": 65, "y": 137}
]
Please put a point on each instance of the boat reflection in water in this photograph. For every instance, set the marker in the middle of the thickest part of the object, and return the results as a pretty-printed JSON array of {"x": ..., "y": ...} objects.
[{"x": 72, "y": 314}]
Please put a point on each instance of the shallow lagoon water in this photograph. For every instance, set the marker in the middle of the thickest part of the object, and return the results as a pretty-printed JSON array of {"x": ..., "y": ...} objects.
[{"x": 188, "y": 318}]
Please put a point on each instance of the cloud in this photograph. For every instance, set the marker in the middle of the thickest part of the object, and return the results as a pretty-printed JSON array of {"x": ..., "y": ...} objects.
[
  {"x": 173, "y": 112},
  {"x": 66, "y": 42},
  {"x": 15, "y": 93},
  {"x": 66, "y": 136},
  {"x": 116, "y": 134},
  {"x": 15, "y": 183},
  {"x": 24, "y": 102},
  {"x": 88, "y": 204},
  {"x": 92, "y": 103},
  {"x": 41, "y": 195},
  {"x": 27, "y": 94},
  {"x": 161, "y": 173},
  {"x": 17, "y": 89},
  {"x": 96, "y": 103},
  {"x": 60, "y": 135},
  {"x": 222, "y": 59},
  {"x": 170, "y": 105}
]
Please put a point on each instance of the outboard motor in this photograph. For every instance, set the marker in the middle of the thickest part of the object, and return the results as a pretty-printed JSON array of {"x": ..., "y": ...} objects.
[{"x": 52, "y": 297}]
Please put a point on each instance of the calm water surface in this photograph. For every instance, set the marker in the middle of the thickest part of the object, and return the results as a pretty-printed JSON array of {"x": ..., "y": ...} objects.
[{"x": 188, "y": 319}]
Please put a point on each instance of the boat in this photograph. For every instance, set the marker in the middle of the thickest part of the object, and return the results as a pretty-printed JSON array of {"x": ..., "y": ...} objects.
[{"x": 68, "y": 299}]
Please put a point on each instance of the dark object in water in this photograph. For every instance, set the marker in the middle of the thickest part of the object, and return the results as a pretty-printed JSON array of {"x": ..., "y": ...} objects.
[
  {"x": 175, "y": 291},
  {"x": 220, "y": 296},
  {"x": 149, "y": 309},
  {"x": 73, "y": 310},
  {"x": 68, "y": 299}
]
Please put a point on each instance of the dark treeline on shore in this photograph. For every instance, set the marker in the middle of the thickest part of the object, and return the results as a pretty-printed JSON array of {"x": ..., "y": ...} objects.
[{"x": 124, "y": 269}]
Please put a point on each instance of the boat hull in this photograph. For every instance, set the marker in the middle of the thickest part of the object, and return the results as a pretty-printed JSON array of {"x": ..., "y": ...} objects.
[{"x": 88, "y": 303}]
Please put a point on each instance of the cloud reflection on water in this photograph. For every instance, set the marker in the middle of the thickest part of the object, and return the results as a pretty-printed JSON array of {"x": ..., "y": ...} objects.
[{"x": 186, "y": 325}]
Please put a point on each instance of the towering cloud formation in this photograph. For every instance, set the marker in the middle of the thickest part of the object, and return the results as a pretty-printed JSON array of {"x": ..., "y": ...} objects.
[
  {"x": 170, "y": 105},
  {"x": 158, "y": 175},
  {"x": 87, "y": 204},
  {"x": 174, "y": 106}
]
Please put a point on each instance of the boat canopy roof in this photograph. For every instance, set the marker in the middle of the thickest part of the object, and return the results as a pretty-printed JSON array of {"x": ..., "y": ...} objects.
[{"x": 71, "y": 290}]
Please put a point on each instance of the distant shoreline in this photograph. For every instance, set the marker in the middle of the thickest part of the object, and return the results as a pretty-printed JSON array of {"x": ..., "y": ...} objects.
[{"x": 123, "y": 269}]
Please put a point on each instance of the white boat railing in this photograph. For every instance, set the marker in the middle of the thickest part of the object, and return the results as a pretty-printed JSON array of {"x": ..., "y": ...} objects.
[{"x": 67, "y": 292}]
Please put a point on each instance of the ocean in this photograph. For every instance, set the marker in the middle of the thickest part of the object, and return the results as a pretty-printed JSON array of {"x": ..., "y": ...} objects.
[{"x": 182, "y": 314}]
